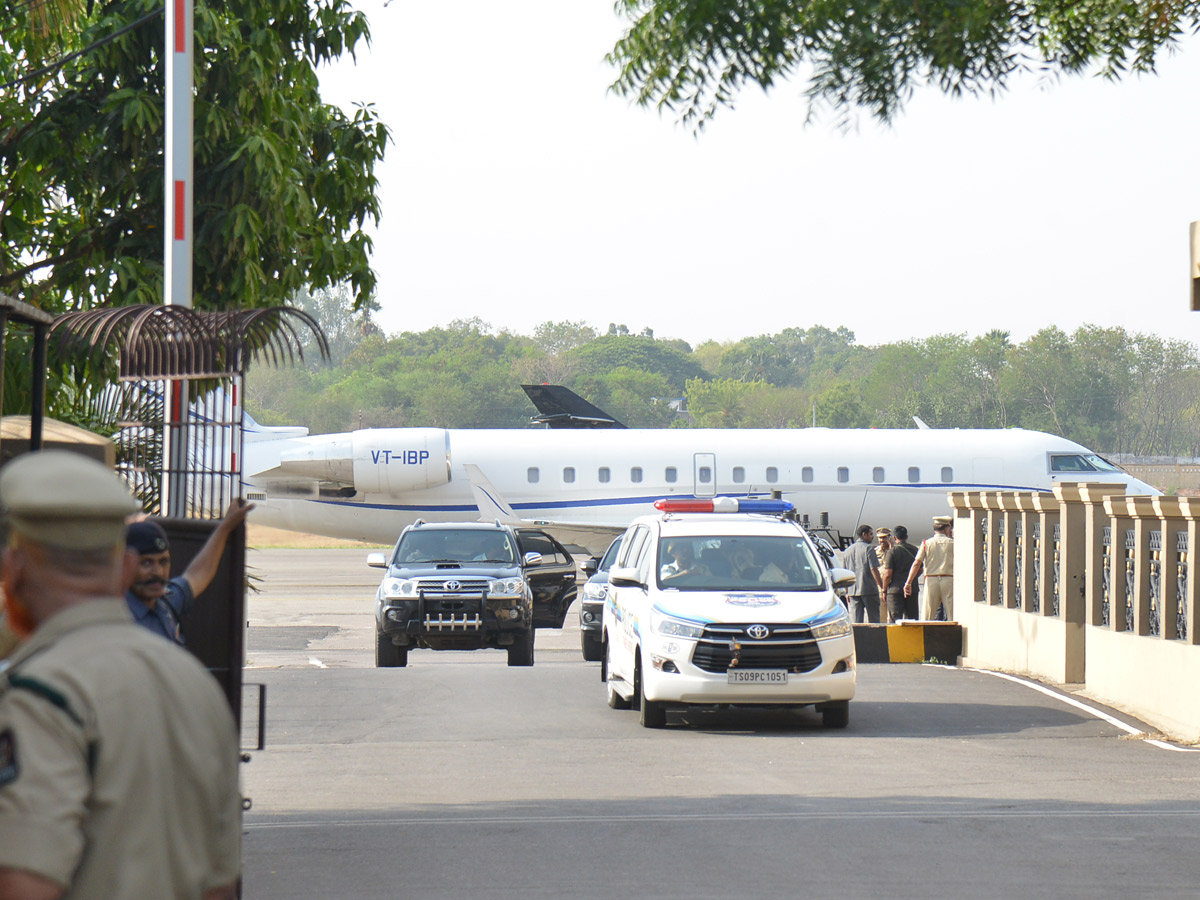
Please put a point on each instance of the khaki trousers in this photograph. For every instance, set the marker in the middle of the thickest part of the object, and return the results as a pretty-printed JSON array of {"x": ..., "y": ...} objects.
[{"x": 939, "y": 592}]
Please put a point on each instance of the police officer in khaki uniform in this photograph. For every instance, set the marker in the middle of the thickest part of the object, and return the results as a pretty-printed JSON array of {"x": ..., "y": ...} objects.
[
  {"x": 118, "y": 753},
  {"x": 936, "y": 557}
]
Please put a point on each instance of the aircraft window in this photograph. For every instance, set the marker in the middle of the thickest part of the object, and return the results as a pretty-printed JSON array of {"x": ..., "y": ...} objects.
[
  {"x": 914, "y": 474},
  {"x": 672, "y": 475},
  {"x": 806, "y": 474},
  {"x": 843, "y": 474},
  {"x": 739, "y": 475},
  {"x": 569, "y": 474},
  {"x": 533, "y": 475},
  {"x": 635, "y": 474},
  {"x": 947, "y": 474},
  {"x": 772, "y": 474},
  {"x": 1071, "y": 463},
  {"x": 605, "y": 475},
  {"x": 1102, "y": 464},
  {"x": 877, "y": 474},
  {"x": 705, "y": 474}
]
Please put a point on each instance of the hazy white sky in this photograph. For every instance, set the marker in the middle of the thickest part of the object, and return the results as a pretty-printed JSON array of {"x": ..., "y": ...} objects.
[{"x": 519, "y": 190}]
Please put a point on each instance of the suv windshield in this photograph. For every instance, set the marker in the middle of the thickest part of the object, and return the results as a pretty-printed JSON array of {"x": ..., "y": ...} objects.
[
  {"x": 447, "y": 545},
  {"x": 738, "y": 563}
]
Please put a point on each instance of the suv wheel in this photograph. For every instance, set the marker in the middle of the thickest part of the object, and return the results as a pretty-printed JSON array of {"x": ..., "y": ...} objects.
[
  {"x": 387, "y": 654},
  {"x": 520, "y": 651},
  {"x": 654, "y": 712},
  {"x": 590, "y": 645},
  {"x": 836, "y": 715}
]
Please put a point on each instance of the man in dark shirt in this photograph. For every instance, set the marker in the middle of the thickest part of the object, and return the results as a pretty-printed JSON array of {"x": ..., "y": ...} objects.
[
  {"x": 894, "y": 572},
  {"x": 156, "y": 600}
]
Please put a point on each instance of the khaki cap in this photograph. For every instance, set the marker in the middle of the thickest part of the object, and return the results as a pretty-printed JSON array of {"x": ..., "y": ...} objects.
[
  {"x": 883, "y": 532},
  {"x": 942, "y": 520},
  {"x": 63, "y": 499}
]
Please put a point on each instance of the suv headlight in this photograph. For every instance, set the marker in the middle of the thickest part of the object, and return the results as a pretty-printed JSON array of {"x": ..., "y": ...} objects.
[
  {"x": 671, "y": 627},
  {"x": 595, "y": 590},
  {"x": 835, "y": 628},
  {"x": 506, "y": 587},
  {"x": 399, "y": 588}
]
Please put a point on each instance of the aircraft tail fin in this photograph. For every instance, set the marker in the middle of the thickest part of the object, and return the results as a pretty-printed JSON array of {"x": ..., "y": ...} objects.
[{"x": 561, "y": 407}]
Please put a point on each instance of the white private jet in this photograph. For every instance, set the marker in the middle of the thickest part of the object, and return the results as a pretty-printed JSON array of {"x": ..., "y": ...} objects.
[{"x": 586, "y": 484}]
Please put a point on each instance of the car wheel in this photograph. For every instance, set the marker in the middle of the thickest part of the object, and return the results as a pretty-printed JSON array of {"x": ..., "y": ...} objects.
[
  {"x": 590, "y": 645},
  {"x": 604, "y": 660},
  {"x": 520, "y": 652},
  {"x": 387, "y": 654},
  {"x": 654, "y": 712},
  {"x": 836, "y": 715},
  {"x": 615, "y": 700}
]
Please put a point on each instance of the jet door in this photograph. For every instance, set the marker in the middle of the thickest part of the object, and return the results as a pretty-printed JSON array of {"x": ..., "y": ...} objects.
[{"x": 704, "y": 468}]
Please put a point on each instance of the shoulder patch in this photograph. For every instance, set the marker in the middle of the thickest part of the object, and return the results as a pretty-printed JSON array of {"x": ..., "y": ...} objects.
[{"x": 9, "y": 770}]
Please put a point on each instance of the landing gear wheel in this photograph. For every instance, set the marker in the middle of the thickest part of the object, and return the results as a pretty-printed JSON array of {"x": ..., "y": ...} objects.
[
  {"x": 836, "y": 715},
  {"x": 590, "y": 645},
  {"x": 387, "y": 654},
  {"x": 520, "y": 651},
  {"x": 615, "y": 700},
  {"x": 654, "y": 712}
]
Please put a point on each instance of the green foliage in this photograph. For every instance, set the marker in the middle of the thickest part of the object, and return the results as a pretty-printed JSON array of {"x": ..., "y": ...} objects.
[
  {"x": 614, "y": 351},
  {"x": 1108, "y": 389},
  {"x": 692, "y": 57},
  {"x": 284, "y": 184}
]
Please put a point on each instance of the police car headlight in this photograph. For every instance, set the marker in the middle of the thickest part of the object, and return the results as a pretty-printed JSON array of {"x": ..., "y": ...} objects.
[
  {"x": 837, "y": 628},
  {"x": 399, "y": 588},
  {"x": 670, "y": 627},
  {"x": 595, "y": 590},
  {"x": 506, "y": 587}
]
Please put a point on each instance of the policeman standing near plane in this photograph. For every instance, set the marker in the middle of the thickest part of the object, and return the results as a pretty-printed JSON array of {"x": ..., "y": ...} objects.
[
  {"x": 118, "y": 752},
  {"x": 936, "y": 557},
  {"x": 156, "y": 600}
]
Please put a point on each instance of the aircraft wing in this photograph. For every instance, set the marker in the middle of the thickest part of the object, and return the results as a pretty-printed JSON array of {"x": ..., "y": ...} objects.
[{"x": 592, "y": 538}]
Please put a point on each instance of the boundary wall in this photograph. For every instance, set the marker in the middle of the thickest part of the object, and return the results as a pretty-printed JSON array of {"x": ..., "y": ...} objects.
[{"x": 1085, "y": 585}]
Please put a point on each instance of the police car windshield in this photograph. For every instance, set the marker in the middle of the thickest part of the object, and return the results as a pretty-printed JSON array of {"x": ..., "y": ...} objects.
[
  {"x": 737, "y": 563},
  {"x": 447, "y": 546}
]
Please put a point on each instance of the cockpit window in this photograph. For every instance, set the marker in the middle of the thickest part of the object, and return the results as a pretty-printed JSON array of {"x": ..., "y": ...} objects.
[
  {"x": 1100, "y": 463},
  {"x": 1070, "y": 463},
  {"x": 738, "y": 563}
]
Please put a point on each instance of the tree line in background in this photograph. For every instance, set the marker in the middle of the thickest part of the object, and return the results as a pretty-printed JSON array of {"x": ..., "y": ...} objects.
[{"x": 1107, "y": 388}]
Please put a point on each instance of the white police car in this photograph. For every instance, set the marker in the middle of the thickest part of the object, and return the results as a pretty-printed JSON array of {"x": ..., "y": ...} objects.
[{"x": 710, "y": 605}]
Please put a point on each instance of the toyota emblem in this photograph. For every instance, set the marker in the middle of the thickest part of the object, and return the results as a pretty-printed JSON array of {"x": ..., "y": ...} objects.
[
  {"x": 451, "y": 586},
  {"x": 758, "y": 632}
]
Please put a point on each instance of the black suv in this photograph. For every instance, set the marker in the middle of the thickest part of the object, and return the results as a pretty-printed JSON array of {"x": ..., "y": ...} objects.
[{"x": 463, "y": 586}]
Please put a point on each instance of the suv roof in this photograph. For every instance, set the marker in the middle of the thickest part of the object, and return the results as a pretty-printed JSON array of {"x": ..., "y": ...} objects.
[
  {"x": 458, "y": 526},
  {"x": 725, "y": 523}
]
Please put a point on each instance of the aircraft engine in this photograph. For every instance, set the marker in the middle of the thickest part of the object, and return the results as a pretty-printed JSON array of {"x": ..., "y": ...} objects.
[
  {"x": 398, "y": 460},
  {"x": 389, "y": 461}
]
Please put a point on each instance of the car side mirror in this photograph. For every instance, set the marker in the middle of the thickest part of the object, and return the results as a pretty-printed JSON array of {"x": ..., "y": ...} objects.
[
  {"x": 624, "y": 576},
  {"x": 841, "y": 577},
  {"x": 590, "y": 565},
  {"x": 532, "y": 558},
  {"x": 377, "y": 561}
]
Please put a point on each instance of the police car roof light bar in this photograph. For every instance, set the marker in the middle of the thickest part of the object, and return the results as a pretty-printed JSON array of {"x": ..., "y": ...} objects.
[{"x": 725, "y": 505}]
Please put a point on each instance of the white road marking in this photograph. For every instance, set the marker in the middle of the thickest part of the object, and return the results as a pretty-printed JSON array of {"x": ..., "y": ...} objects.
[
  {"x": 313, "y": 661},
  {"x": 1071, "y": 701}
]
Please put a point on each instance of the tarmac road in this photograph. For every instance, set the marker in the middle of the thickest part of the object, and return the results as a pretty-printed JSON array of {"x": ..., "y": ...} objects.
[{"x": 459, "y": 777}]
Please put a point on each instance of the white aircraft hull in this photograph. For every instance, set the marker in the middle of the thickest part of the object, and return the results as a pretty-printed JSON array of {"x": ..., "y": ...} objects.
[{"x": 588, "y": 484}]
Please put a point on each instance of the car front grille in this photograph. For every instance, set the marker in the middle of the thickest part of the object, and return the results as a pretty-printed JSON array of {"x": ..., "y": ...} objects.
[
  {"x": 724, "y": 647},
  {"x": 443, "y": 587}
]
